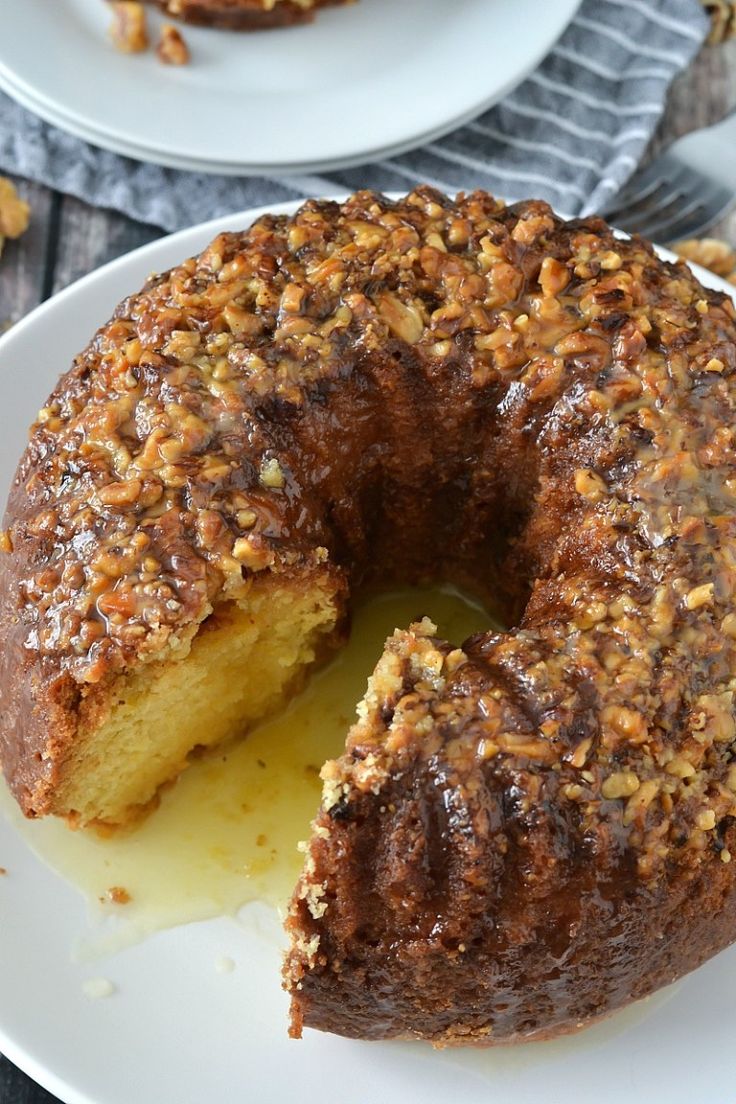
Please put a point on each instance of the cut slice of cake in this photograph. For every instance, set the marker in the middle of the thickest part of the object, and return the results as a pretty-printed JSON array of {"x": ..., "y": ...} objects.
[{"x": 245, "y": 15}]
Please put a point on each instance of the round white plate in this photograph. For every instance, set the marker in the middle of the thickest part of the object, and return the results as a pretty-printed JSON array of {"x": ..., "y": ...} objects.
[
  {"x": 360, "y": 82},
  {"x": 52, "y": 114},
  {"x": 176, "y": 1032}
]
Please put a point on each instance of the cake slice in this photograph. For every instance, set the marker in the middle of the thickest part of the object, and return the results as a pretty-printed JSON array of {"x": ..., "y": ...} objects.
[
  {"x": 246, "y": 15},
  {"x": 454, "y": 891}
]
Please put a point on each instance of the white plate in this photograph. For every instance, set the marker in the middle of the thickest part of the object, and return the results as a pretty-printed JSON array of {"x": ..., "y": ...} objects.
[
  {"x": 360, "y": 82},
  {"x": 176, "y": 1032},
  {"x": 52, "y": 114}
]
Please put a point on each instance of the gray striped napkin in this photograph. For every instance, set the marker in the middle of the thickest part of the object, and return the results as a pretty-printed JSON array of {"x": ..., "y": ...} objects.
[{"x": 572, "y": 133}]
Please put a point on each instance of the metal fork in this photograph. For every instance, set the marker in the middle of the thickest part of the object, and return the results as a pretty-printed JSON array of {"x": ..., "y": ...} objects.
[{"x": 671, "y": 199}]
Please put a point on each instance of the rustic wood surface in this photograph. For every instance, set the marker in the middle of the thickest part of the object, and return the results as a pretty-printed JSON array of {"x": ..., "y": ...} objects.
[{"x": 68, "y": 238}]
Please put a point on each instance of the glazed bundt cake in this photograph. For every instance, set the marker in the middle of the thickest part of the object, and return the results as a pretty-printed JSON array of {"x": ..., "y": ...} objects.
[
  {"x": 527, "y": 830},
  {"x": 246, "y": 15}
]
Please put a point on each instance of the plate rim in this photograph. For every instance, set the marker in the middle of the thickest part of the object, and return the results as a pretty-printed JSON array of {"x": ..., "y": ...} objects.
[{"x": 51, "y": 115}]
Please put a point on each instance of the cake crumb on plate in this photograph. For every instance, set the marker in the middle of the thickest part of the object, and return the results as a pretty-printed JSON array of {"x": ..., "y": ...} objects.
[{"x": 98, "y": 988}]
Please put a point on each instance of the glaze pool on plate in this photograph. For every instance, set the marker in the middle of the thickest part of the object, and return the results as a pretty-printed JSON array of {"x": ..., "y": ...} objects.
[
  {"x": 350, "y": 87},
  {"x": 176, "y": 1031},
  {"x": 228, "y": 832}
]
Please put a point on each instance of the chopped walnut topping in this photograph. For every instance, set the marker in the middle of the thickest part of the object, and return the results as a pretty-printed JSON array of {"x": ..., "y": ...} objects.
[
  {"x": 120, "y": 494},
  {"x": 699, "y": 596},
  {"x": 251, "y": 555},
  {"x": 611, "y": 261},
  {"x": 590, "y": 485},
  {"x": 403, "y": 319},
  {"x": 681, "y": 768},
  {"x": 553, "y": 277},
  {"x": 129, "y": 31},
  {"x": 172, "y": 48},
  {"x": 621, "y": 784},
  {"x": 272, "y": 474},
  {"x": 247, "y": 518}
]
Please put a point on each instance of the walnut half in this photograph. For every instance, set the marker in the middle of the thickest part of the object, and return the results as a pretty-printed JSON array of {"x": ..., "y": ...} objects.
[
  {"x": 723, "y": 20},
  {"x": 14, "y": 212},
  {"x": 129, "y": 31},
  {"x": 172, "y": 49}
]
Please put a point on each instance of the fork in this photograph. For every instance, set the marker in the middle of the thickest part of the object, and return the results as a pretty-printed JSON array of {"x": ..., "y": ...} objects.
[{"x": 672, "y": 198}]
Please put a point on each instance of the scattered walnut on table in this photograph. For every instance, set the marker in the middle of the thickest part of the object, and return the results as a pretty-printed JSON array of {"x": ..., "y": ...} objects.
[
  {"x": 711, "y": 253},
  {"x": 172, "y": 49},
  {"x": 723, "y": 20},
  {"x": 129, "y": 30},
  {"x": 14, "y": 212}
]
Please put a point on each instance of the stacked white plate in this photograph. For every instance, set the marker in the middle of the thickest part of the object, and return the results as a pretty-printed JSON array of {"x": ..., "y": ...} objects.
[{"x": 359, "y": 84}]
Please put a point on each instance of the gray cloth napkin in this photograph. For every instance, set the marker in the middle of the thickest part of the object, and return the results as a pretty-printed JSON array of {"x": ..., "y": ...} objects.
[{"x": 572, "y": 133}]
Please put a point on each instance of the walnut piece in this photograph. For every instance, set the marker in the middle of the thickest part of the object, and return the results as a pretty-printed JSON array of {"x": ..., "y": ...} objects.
[
  {"x": 129, "y": 31},
  {"x": 723, "y": 20},
  {"x": 118, "y": 895},
  {"x": 711, "y": 253},
  {"x": 14, "y": 212},
  {"x": 172, "y": 49}
]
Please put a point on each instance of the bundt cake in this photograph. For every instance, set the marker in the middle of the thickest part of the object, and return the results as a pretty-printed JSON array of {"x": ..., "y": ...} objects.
[
  {"x": 246, "y": 15},
  {"x": 526, "y": 830}
]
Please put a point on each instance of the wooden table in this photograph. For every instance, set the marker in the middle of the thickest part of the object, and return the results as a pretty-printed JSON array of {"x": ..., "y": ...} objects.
[{"x": 67, "y": 239}]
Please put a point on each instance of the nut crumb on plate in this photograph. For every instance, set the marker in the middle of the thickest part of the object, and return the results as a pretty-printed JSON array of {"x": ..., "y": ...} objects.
[
  {"x": 172, "y": 48},
  {"x": 129, "y": 31}
]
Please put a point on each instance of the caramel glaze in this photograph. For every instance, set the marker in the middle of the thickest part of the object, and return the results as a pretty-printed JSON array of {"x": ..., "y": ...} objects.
[
  {"x": 244, "y": 15},
  {"x": 524, "y": 833}
]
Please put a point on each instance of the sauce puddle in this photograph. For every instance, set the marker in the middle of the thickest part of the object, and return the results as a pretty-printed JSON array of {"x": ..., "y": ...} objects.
[{"x": 226, "y": 834}]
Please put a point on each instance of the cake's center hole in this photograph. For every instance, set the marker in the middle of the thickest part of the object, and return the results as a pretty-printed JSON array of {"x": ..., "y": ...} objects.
[{"x": 226, "y": 833}]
